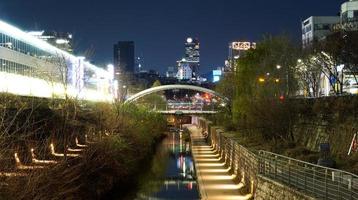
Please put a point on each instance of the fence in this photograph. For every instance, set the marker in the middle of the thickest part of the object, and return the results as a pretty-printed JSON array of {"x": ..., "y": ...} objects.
[
  {"x": 314, "y": 180},
  {"x": 241, "y": 162}
]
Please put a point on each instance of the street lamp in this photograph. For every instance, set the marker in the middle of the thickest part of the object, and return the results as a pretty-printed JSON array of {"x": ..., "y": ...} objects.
[
  {"x": 261, "y": 80},
  {"x": 278, "y": 67}
]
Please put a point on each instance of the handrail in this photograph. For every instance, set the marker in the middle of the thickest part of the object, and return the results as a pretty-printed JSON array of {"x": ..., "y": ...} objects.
[{"x": 307, "y": 163}]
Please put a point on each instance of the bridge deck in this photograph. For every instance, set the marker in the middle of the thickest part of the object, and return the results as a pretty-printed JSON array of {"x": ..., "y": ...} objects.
[
  {"x": 186, "y": 111},
  {"x": 214, "y": 179}
]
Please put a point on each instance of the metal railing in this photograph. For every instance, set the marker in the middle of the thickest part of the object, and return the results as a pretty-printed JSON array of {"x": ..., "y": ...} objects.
[
  {"x": 310, "y": 179},
  {"x": 242, "y": 162},
  {"x": 314, "y": 180}
]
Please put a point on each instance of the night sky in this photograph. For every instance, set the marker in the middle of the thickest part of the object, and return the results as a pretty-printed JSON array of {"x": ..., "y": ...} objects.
[{"x": 160, "y": 27}]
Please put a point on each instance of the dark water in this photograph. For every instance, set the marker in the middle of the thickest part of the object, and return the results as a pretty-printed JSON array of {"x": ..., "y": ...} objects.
[{"x": 172, "y": 173}]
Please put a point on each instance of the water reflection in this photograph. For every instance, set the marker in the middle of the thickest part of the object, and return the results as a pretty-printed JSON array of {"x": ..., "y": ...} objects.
[{"x": 172, "y": 173}]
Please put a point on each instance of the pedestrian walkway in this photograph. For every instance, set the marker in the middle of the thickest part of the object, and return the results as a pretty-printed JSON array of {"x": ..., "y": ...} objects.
[{"x": 214, "y": 179}]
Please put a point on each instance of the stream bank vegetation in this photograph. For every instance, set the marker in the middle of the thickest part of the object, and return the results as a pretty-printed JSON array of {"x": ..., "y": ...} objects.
[{"x": 51, "y": 149}]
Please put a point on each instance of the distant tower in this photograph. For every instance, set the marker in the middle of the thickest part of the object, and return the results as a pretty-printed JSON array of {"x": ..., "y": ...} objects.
[
  {"x": 188, "y": 66},
  {"x": 192, "y": 55},
  {"x": 123, "y": 53}
]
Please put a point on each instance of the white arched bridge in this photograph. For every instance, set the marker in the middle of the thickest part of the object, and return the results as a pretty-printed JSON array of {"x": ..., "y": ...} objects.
[{"x": 178, "y": 86}]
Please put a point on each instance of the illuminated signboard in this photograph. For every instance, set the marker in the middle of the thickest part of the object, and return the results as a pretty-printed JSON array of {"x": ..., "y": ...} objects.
[
  {"x": 217, "y": 73},
  {"x": 243, "y": 45}
]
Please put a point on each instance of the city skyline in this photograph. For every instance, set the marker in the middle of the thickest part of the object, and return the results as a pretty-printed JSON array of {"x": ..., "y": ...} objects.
[{"x": 144, "y": 23}]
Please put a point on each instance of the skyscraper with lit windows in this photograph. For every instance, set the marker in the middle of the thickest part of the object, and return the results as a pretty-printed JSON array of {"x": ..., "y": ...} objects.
[{"x": 191, "y": 60}]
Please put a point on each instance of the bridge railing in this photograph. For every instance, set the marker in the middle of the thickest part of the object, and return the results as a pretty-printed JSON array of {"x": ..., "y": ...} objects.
[
  {"x": 184, "y": 106},
  {"x": 314, "y": 180}
]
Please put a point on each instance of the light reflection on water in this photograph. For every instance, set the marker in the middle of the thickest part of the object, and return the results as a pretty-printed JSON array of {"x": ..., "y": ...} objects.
[{"x": 172, "y": 174}]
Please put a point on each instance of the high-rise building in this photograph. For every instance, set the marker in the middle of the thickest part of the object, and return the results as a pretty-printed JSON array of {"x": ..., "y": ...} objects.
[
  {"x": 192, "y": 55},
  {"x": 60, "y": 40},
  {"x": 185, "y": 71},
  {"x": 124, "y": 61},
  {"x": 236, "y": 50},
  {"x": 316, "y": 28},
  {"x": 188, "y": 66}
]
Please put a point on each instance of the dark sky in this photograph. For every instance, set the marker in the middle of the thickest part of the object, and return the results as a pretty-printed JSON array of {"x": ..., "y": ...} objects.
[{"x": 160, "y": 27}]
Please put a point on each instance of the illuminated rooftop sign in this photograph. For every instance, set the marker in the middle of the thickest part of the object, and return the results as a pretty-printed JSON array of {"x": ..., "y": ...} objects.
[{"x": 243, "y": 45}]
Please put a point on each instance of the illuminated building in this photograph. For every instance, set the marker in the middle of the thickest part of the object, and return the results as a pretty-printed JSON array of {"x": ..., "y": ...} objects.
[
  {"x": 60, "y": 40},
  {"x": 214, "y": 75},
  {"x": 192, "y": 55},
  {"x": 32, "y": 67},
  {"x": 188, "y": 66},
  {"x": 349, "y": 15},
  {"x": 316, "y": 28},
  {"x": 184, "y": 70},
  {"x": 237, "y": 49}
]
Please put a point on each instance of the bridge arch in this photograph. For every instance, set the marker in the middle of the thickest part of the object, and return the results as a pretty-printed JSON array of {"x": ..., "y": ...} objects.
[{"x": 171, "y": 87}]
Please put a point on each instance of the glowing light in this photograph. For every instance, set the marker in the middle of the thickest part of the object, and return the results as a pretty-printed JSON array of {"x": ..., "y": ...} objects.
[
  {"x": 78, "y": 144},
  {"x": 52, "y": 147},
  {"x": 62, "y": 41},
  {"x": 189, "y": 40},
  {"x": 19, "y": 165},
  {"x": 232, "y": 197},
  {"x": 277, "y": 80},
  {"x": 214, "y": 170},
  {"x": 278, "y": 66},
  {"x": 207, "y": 159},
  {"x": 30, "y": 86},
  {"x": 12, "y": 174},
  {"x": 87, "y": 141},
  {"x": 34, "y": 160},
  {"x": 218, "y": 177},
  {"x": 261, "y": 80},
  {"x": 210, "y": 164},
  {"x": 225, "y": 186},
  {"x": 74, "y": 150}
]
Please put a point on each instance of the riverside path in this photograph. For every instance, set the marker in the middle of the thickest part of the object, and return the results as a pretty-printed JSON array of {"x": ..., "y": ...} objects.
[{"x": 214, "y": 178}]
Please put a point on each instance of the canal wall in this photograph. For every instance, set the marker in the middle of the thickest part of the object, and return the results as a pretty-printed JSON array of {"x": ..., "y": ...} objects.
[
  {"x": 267, "y": 189},
  {"x": 244, "y": 164},
  {"x": 325, "y": 120}
]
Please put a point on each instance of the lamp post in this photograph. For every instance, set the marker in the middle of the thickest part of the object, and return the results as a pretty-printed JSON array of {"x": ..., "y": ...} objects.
[{"x": 287, "y": 84}]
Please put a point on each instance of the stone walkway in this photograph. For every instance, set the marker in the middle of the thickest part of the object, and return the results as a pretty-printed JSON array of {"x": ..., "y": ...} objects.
[{"x": 214, "y": 179}]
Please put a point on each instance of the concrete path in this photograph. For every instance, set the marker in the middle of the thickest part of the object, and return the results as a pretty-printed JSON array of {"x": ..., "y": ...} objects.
[{"x": 214, "y": 179}]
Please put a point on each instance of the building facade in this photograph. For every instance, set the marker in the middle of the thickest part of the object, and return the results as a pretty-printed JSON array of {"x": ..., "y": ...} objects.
[
  {"x": 316, "y": 28},
  {"x": 184, "y": 70},
  {"x": 32, "y": 67},
  {"x": 192, "y": 55}
]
